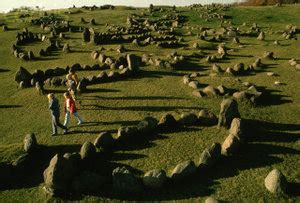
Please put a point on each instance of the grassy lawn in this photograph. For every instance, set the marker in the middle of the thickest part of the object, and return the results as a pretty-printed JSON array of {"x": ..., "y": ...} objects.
[{"x": 155, "y": 92}]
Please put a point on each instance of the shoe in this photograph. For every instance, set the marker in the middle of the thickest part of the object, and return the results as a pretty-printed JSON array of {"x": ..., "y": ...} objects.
[
  {"x": 54, "y": 134},
  {"x": 65, "y": 132},
  {"x": 79, "y": 123}
]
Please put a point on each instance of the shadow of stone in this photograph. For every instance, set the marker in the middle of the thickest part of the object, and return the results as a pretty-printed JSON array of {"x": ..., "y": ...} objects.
[{"x": 9, "y": 106}]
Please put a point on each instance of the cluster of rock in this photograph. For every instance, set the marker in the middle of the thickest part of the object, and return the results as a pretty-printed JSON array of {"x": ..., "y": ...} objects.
[
  {"x": 295, "y": 64},
  {"x": 128, "y": 65},
  {"x": 290, "y": 32}
]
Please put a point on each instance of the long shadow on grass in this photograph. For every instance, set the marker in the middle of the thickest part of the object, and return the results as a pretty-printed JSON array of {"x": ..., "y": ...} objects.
[
  {"x": 4, "y": 70},
  {"x": 136, "y": 98},
  {"x": 139, "y": 108},
  {"x": 271, "y": 97},
  {"x": 9, "y": 106}
]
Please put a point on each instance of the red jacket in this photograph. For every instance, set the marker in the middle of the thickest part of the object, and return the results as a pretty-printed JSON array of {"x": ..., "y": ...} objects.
[{"x": 72, "y": 105}]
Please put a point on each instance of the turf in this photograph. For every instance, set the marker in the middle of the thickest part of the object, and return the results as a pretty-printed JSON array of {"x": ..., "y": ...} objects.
[{"x": 155, "y": 92}]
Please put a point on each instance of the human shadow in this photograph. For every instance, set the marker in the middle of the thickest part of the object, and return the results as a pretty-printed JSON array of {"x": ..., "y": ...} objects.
[{"x": 137, "y": 98}]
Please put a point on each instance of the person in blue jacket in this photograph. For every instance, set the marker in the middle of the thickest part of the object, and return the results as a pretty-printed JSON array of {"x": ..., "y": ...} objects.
[{"x": 55, "y": 114}]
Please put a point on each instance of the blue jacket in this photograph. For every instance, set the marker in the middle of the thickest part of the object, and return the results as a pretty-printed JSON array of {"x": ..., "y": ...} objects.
[{"x": 54, "y": 107}]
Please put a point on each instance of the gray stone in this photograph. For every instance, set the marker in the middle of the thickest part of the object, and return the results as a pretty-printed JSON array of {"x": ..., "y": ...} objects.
[
  {"x": 183, "y": 170},
  {"x": 231, "y": 144},
  {"x": 133, "y": 62},
  {"x": 217, "y": 69},
  {"x": 210, "y": 91},
  {"x": 147, "y": 125},
  {"x": 126, "y": 132},
  {"x": 237, "y": 127},
  {"x": 167, "y": 121},
  {"x": 186, "y": 79},
  {"x": 228, "y": 111},
  {"x": 188, "y": 119},
  {"x": 210, "y": 156},
  {"x": 275, "y": 182},
  {"x": 23, "y": 75},
  {"x": 154, "y": 178},
  {"x": 207, "y": 118},
  {"x": 104, "y": 140},
  {"x": 87, "y": 151},
  {"x": 125, "y": 181},
  {"x": 194, "y": 84},
  {"x": 30, "y": 143},
  {"x": 198, "y": 93},
  {"x": 59, "y": 174}
]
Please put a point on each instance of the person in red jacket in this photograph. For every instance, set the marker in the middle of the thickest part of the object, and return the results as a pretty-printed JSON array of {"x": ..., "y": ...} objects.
[{"x": 70, "y": 108}]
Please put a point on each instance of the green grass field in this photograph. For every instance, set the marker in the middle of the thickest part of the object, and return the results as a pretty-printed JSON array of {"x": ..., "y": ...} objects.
[{"x": 155, "y": 92}]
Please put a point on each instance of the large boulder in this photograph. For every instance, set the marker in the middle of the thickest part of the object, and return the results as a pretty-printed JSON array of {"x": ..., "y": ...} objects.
[
  {"x": 23, "y": 75},
  {"x": 207, "y": 118},
  {"x": 210, "y": 156},
  {"x": 231, "y": 144},
  {"x": 194, "y": 84},
  {"x": 188, "y": 119},
  {"x": 147, "y": 125},
  {"x": 126, "y": 132},
  {"x": 126, "y": 182},
  {"x": 87, "y": 151},
  {"x": 155, "y": 178},
  {"x": 236, "y": 127},
  {"x": 183, "y": 170},
  {"x": 133, "y": 62},
  {"x": 59, "y": 174},
  {"x": 30, "y": 143},
  {"x": 210, "y": 91},
  {"x": 104, "y": 140},
  {"x": 229, "y": 111},
  {"x": 275, "y": 182}
]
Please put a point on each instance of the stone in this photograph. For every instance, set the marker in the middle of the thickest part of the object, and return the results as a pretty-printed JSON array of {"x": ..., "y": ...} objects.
[
  {"x": 188, "y": 119},
  {"x": 198, "y": 93},
  {"x": 147, "y": 125},
  {"x": 126, "y": 132},
  {"x": 210, "y": 91},
  {"x": 133, "y": 62},
  {"x": 66, "y": 48},
  {"x": 23, "y": 75},
  {"x": 104, "y": 140},
  {"x": 87, "y": 151},
  {"x": 124, "y": 181},
  {"x": 168, "y": 121},
  {"x": 210, "y": 156},
  {"x": 237, "y": 128},
  {"x": 270, "y": 74},
  {"x": 240, "y": 96},
  {"x": 194, "y": 84},
  {"x": 155, "y": 178},
  {"x": 297, "y": 67},
  {"x": 186, "y": 79},
  {"x": 275, "y": 182},
  {"x": 269, "y": 55},
  {"x": 102, "y": 57},
  {"x": 239, "y": 68},
  {"x": 31, "y": 55},
  {"x": 30, "y": 143},
  {"x": 207, "y": 118},
  {"x": 231, "y": 144},
  {"x": 228, "y": 111},
  {"x": 59, "y": 174},
  {"x": 261, "y": 36},
  {"x": 211, "y": 200},
  {"x": 217, "y": 69},
  {"x": 183, "y": 170},
  {"x": 86, "y": 35},
  {"x": 277, "y": 83},
  {"x": 88, "y": 182},
  {"x": 222, "y": 90}
]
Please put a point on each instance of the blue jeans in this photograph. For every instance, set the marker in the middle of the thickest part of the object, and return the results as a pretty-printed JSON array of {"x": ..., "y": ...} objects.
[
  {"x": 56, "y": 123},
  {"x": 67, "y": 118}
]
